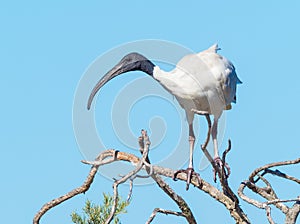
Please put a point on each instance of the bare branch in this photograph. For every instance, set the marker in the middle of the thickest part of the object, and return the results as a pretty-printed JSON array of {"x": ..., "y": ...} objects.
[
  {"x": 279, "y": 174},
  {"x": 82, "y": 189},
  {"x": 224, "y": 164},
  {"x": 110, "y": 156},
  {"x": 292, "y": 215},
  {"x": 130, "y": 190},
  {"x": 269, "y": 193},
  {"x": 227, "y": 197},
  {"x": 255, "y": 202},
  {"x": 226, "y": 151},
  {"x": 247, "y": 199},
  {"x": 268, "y": 213},
  {"x": 184, "y": 207},
  {"x": 145, "y": 152},
  {"x": 224, "y": 176},
  {"x": 282, "y": 200},
  {"x": 265, "y": 193},
  {"x": 160, "y": 210},
  {"x": 186, "y": 211},
  {"x": 233, "y": 201},
  {"x": 283, "y": 163}
]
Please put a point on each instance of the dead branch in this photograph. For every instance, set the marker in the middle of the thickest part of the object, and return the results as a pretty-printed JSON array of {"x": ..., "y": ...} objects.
[
  {"x": 293, "y": 212},
  {"x": 276, "y": 164},
  {"x": 130, "y": 190},
  {"x": 131, "y": 174},
  {"x": 279, "y": 174},
  {"x": 183, "y": 206},
  {"x": 226, "y": 197},
  {"x": 82, "y": 189},
  {"x": 268, "y": 214},
  {"x": 268, "y": 192},
  {"x": 255, "y": 202},
  {"x": 223, "y": 176},
  {"x": 225, "y": 165},
  {"x": 167, "y": 212},
  {"x": 110, "y": 156}
]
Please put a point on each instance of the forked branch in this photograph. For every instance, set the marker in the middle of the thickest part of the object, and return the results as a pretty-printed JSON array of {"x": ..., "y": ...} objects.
[
  {"x": 163, "y": 211},
  {"x": 110, "y": 156},
  {"x": 268, "y": 192},
  {"x": 186, "y": 212},
  {"x": 225, "y": 196}
]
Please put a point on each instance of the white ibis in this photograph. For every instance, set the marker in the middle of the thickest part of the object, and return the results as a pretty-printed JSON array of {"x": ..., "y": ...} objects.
[{"x": 205, "y": 81}]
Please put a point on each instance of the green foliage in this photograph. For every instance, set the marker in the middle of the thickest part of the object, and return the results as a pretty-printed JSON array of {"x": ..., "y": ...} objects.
[{"x": 97, "y": 214}]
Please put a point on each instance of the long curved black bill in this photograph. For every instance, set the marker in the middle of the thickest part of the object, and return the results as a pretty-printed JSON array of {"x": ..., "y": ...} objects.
[
  {"x": 130, "y": 62},
  {"x": 108, "y": 76}
]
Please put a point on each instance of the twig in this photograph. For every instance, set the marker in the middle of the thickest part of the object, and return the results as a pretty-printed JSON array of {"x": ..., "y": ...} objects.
[
  {"x": 264, "y": 205},
  {"x": 269, "y": 193},
  {"x": 224, "y": 164},
  {"x": 255, "y": 202},
  {"x": 283, "y": 163},
  {"x": 263, "y": 192},
  {"x": 82, "y": 189},
  {"x": 268, "y": 214},
  {"x": 226, "y": 151},
  {"x": 186, "y": 211},
  {"x": 157, "y": 170},
  {"x": 126, "y": 177},
  {"x": 221, "y": 172},
  {"x": 184, "y": 207},
  {"x": 130, "y": 190},
  {"x": 160, "y": 210},
  {"x": 282, "y": 201},
  {"x": 223, "y": 177},
  {"x": 279, "y": 174}
]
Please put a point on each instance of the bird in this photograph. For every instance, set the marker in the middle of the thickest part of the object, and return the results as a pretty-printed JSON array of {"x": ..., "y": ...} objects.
[{"x": 204, "y": 81}]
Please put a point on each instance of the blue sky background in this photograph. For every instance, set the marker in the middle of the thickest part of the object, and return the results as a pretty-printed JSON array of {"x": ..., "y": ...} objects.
[{"x": 45, "y": 48}]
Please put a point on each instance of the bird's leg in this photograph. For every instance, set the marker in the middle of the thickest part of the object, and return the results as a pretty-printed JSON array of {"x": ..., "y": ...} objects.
[
  {"x": 218, "y": 161},
  {"x": 192, "y": 143},
  {"x": 214, "y": 133},
  {"x": 190, "y": 170}
]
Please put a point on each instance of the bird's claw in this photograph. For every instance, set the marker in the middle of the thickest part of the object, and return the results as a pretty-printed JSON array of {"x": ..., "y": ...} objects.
[
  {"x": 221, "y": 165},
  {"x": 189, "y": 173}
]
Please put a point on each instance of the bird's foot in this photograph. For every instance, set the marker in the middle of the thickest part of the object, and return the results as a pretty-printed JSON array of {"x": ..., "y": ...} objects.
[
  {"x": 222, "y": 167},
  {"x": 189, "y": 173}
]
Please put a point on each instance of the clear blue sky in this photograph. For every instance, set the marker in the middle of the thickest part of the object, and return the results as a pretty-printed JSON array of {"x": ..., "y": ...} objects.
[{"x": 45, "y": 49}]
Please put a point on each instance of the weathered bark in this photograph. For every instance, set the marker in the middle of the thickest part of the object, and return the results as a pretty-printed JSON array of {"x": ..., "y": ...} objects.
[
  {"x": 225, "y": 196},
  {"x": 269, "y": 193}
]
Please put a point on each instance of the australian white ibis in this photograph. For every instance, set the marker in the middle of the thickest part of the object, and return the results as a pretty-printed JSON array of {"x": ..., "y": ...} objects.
[{"x": 205, "y": 81}]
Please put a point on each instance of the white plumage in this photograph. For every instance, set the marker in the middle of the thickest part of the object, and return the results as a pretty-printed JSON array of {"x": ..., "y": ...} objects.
[{"x": 205, "y": 81}]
